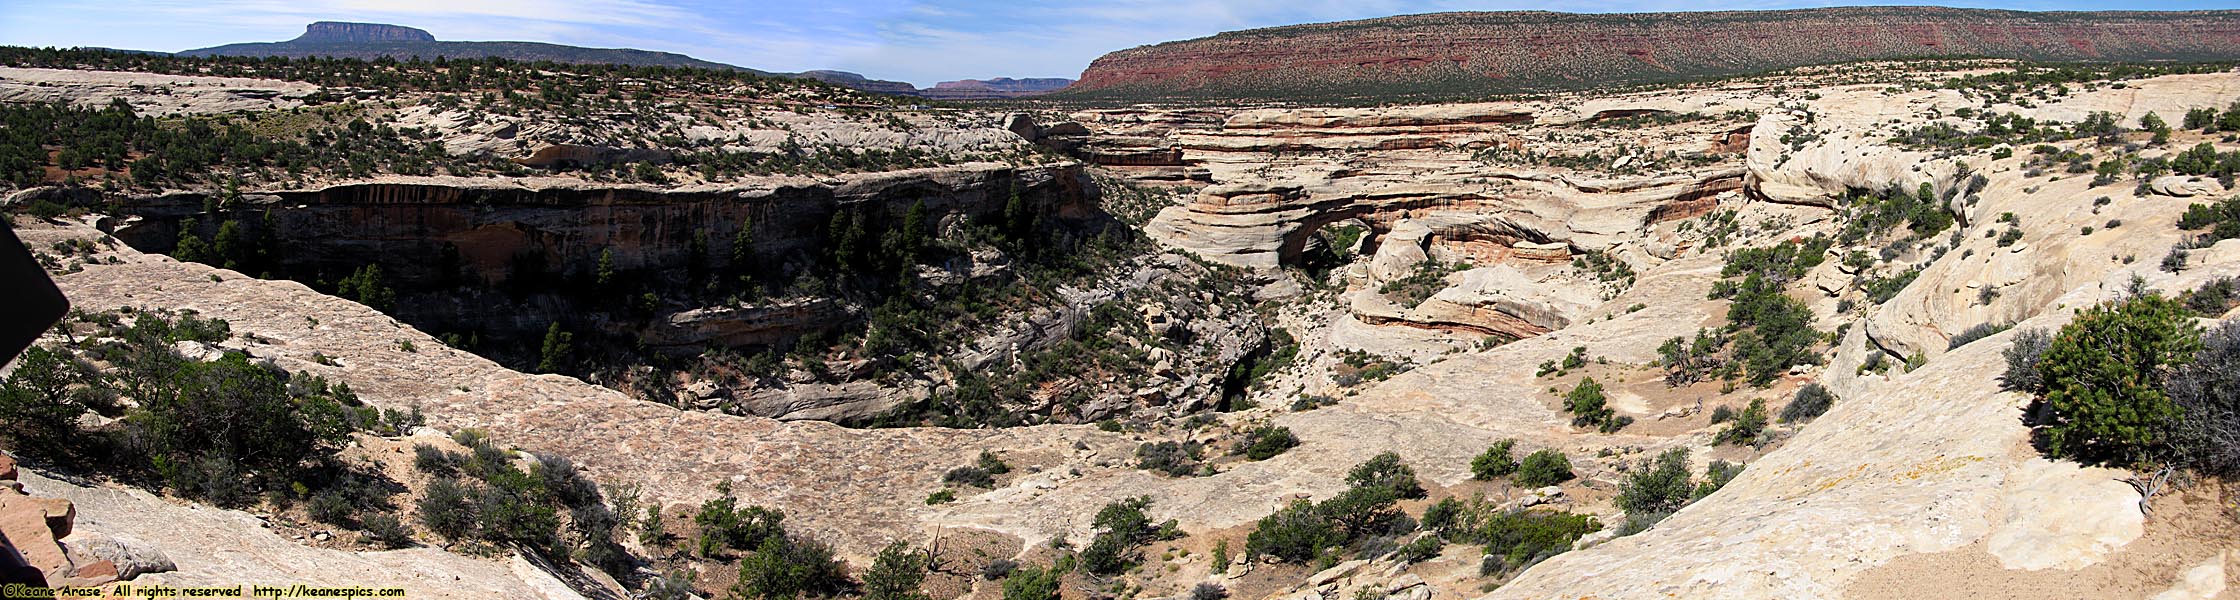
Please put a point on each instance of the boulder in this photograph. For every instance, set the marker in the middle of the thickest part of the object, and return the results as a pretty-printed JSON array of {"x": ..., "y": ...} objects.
[
  {"x": 2185, "y": 186},
  {"x": 32, "y": 525},
  {"x": 7, "y": 467},
  {"x": 1022, "y": 124},
  {"x": 1400, "y": 251}
]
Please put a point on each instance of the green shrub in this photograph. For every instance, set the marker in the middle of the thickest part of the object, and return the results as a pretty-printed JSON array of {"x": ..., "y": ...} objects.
[
  {"x": 943, "y": 496},
  {"x": 1419, "y": 550},
  {"x": 896, "y": 573},
  {"x": 241, "y": 413},
  {"x": 1514, "y": 538},
  {"x": 726, "y": 526},
  {"x": 434, "y": 461},
  {"x": 1587, "y": 404},
  {"x": 448, "y": 509},
  {"x": 1122, "y": 527},
  {"x": 1031, "y": 583},
  {"x": 1774, "y": 331},
  {"x": 1659, "y": 485},
  {"x": 1811, "y": 401},
  {"x": 332, "y": 508},
  {"x": 386, "y": 530},
  {"x": 36, "y": 402},
  {"x": 2103, "y": 378},
  {"x": 969, "y": 476},
  {"x": 1297, "y": 533},
  {"x": 1387, "y": 471},
  {"x": 1496, "y": 461},
  {"x": 1543, "y": 468},
  {"x": 1175, "y": 459},
  {"x": 1716, "y": 476},
  {"x": 1747, "y": 426},
  {"x": 2213, "y": 298},
  {"x": 1639, "y": 522},
  {"x": 1363, "y": 511},
  {"x": 1266, "y": 441},
  {"x": 1442, "y": 514},
  {"x": 785, "y": 568},
  {"x": 990, "y": 463}
]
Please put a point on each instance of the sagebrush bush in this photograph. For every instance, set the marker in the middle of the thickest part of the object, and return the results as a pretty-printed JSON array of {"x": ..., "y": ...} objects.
[
  {"x": 1175, "y": 459},
  {"x": 434, "y": 461},
  {"x": 2207, "y": 391},
  {"x": 969, "y": 476},
  {"x": 1976, "y": 332},
  {"x": 2022, "y": 355},
  {"x": 1809, "y": 403},
  {"x": 386, "y": 530},
  {"x": 448, "y": 509}
]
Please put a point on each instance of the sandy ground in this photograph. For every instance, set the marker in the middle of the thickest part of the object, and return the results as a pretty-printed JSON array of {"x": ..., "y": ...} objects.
[{"x": 2185, "y": 530}]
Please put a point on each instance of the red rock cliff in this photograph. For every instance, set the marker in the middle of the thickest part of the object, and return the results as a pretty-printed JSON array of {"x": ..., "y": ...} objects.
[{"x": 1449, "y": 54}]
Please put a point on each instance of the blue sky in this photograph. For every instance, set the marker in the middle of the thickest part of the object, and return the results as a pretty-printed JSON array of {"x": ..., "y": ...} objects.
[{"x": 919, "y": 41}]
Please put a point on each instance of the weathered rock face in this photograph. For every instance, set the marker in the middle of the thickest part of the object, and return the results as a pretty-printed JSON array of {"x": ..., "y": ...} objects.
[
  {"x": 1279, "y": 174},
  {"x": 1448, "y": 54}
]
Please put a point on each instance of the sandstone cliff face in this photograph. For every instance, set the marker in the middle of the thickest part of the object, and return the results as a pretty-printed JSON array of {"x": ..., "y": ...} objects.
[
  {"x": 1452, "y": 54},
  {"x": 412, "y": 227}
]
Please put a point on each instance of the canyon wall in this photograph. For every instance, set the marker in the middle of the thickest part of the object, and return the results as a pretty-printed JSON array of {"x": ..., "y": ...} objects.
[
  {"x": 1455, "y": 54},
  {"x": 444, "y": 235}
]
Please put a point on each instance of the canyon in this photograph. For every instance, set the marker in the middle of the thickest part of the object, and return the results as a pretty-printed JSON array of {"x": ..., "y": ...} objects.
[{"x": 1426, "y": 280}]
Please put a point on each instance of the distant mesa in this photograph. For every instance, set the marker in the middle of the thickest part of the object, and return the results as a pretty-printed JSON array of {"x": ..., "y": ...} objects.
[
  {"x": 368, "y": 41},
  {"x": 1471, "y": 54},
  {"x": 1000, "y": 87},
  {"x": 852, "y": 80},
  {"x": 335, "y": 32}
]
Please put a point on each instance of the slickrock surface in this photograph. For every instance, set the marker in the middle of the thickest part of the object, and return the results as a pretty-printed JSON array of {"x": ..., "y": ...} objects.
[
  {"x": 218, "y": 547},
  {"x": 171, "y": 94}
]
